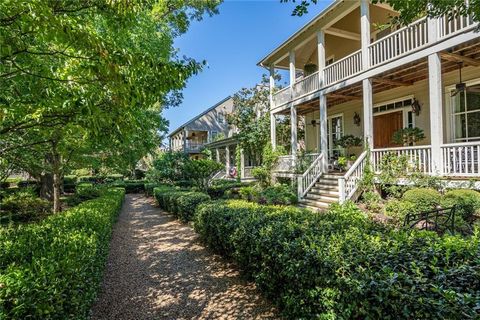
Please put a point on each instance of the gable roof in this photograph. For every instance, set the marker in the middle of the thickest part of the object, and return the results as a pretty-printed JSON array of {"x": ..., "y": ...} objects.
[{"x": 199, "y": 116}]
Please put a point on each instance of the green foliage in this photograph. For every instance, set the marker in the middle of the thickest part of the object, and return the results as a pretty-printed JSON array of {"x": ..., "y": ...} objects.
[
  {"x": 41, "y": 264},
  {"x": 423, "y": 199},
  {"x": 218, "y": 188},
  {"x": 24, "y": 206},
  {"x": 398, "y": 210},
  {"x": 408, "y": 136},
  {"x": 340, "y": 265},
  {"x": 179, "y": 202},
  {"x": 348, "y": 141},
  {"x": 278, "y": 194},
  {"x": 263, "y": 173},
  {"x": 467, "y": 202},
  {"x": 372, "y": 201},
  {"x": 168, "y": 167},
  {"x": 130, "y": 186},
  {"x": 199, "y": 171}
]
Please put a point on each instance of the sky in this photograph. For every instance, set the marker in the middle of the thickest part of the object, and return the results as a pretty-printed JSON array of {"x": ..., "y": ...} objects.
[{"x": 233, "y": 42}]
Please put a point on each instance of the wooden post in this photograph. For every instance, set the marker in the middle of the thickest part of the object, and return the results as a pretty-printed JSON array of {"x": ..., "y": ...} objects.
[
  {"x": 185, "y": 133},
  {"x": 323, "y": 135},
  {"x": 242, "y": 164},
  {"x": 367, "y": 113},
  {"x": 217, "y": 154},
  {"x": 273, "y": 124},
  {"x": 436, "y": 111},
  {"x": 292, "y": 67},
  {"x": 227, "y": 161},
  {"x": 365, "y": 32},
  {"x": 293, "y": 133}
]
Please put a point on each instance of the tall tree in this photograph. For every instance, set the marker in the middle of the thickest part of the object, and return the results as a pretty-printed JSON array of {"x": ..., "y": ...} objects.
[{"x": 88, "y": 78}]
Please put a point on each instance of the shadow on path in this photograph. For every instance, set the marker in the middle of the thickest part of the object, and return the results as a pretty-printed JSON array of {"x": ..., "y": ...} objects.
[{"x": 157, "y": 269}]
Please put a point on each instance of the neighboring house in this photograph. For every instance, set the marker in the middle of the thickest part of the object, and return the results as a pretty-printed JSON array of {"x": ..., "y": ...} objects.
[
  {"x": 192, "y": 136},
  {"x": 348, "y": 76}
]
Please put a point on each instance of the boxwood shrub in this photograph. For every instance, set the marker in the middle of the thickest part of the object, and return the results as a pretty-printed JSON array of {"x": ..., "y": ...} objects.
[
  {"x": 131, "y": 186},
  {"x": 467, "y": 202},
  {"x": 341, "y": 265},
  {"x": 52, "y": 269},
  {"x": 179, "y": 202},
  {"x": 424, "y": 199},
  {"x": 219, "y": 187}
]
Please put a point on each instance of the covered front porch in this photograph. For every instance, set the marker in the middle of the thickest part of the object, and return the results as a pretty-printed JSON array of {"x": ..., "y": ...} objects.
[{"x": 437, "y": 98}]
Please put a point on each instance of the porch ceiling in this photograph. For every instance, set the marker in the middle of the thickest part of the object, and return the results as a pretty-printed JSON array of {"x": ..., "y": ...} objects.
[{"x": 408, "y": 74}]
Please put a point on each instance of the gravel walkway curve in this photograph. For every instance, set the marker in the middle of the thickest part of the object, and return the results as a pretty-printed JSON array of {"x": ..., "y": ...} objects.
[{"x": 157, "y": 269}]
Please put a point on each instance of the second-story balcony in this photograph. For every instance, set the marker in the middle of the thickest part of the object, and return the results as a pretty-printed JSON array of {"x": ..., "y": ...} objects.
[{"x": 398, "y": 44}]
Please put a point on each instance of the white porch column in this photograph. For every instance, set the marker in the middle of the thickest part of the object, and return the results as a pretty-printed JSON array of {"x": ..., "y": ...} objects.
[
  {"x": 293, "y": 132},
  {"x": 367, "y": 83},
  {"x": 436, "y": 111},
  {"x": 292, "y": 67},
  {"x": 227, "y": 160},
  {"x": 365, "y": 32},
  {"x": 323, "y": 140},
  {"x": 367, "y": 113},
  {"x": 436, "y": 100},
  {"x": 242, "y": 164},
  {"x": 217, "y": 154},
  {"x": 273, "y": 124},
  {"x": 185, "y": 132}
]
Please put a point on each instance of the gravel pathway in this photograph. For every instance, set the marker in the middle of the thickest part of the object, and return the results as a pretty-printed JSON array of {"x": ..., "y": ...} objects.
[{"x": 157, "y": 269}]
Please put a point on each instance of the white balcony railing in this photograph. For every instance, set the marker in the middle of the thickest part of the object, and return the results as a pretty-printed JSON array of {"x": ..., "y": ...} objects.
[
  {"x": 452, "y": 24},
  {"x": 419, "y": 158},
  {"x": 282, "y": 96},
  {"x": 306, "y": 85},
  {"x": 399, "y": 43},
  {"x": 343, "y": 68},
  {"x": 349, "y": 183},
  {"x": 461, "y": 159}
]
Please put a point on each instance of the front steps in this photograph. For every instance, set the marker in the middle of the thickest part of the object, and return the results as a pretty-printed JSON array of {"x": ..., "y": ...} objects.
[{"x": 322, "y": 194}]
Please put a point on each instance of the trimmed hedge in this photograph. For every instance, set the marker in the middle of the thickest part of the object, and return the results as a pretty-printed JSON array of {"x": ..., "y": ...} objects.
[
  {"x": 131, "y": 186},
  {"x": 341, "y": 265},
  {"x": 181, "y": 203},
  {"x": 467, "y": 202},
  {"x": 219, "y": 188},
  {"x": 53, "y": 269},
  {"x": 424, "y": 199}
]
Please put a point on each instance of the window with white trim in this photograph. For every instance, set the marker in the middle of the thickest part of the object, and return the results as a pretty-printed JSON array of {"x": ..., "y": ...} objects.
[{"x": 466, "y": 114}]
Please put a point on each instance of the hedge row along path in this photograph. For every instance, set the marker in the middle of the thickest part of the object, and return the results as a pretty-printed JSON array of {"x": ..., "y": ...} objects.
[{"x": 157, "y": 269}]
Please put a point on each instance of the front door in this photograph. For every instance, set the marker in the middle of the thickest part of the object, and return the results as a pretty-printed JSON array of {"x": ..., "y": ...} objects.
[{"x": 384, "y": 125}]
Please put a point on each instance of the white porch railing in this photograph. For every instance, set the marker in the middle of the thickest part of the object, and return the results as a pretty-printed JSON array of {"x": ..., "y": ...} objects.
[
  {"x": 306, "y": 85},
  {"x": 461, "y": 159},
  {"x": 450, "y": 25},
  {"x": 348, "y": 184},
  {"x": 310, "y": 176},
  {"x": 282, "y": 96},
  {"x": 419, "y": 157},
  {"x": 343, "y": 68},
  {"x": 399, "y": 43},
  {"x": 247, "y": 172},
  {"x": 284, "y": 164}
]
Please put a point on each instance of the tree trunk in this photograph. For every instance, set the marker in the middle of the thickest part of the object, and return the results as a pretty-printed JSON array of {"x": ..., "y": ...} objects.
[
  {"x": 46, "y": 186},
  {"x": 57, "y": 178}
]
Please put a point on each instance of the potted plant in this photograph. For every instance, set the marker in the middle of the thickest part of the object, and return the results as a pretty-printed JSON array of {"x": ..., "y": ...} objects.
[
  {"x": 310, "y": 68},
  {"x": 342, "y": 163},
  {"x": 408, "y": 136},
  {"x": 347, "y": 142}
]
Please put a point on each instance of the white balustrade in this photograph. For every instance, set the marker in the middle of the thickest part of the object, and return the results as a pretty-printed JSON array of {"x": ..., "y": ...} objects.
[
  {"x": 399, "y": 43},
  {"x": 453, "y": 23},
  {"x": 461, "y": 159},
  {"x": 284, "y": 164},
  {"x": 306, "y": 85},
  {"x": 282, "y": 96},
  {"x": 343, "y": 68},
  {"x": 419, "y": 158},
  {"x": 306, "y": 181},
  {"x": 348, "y": 184},
  {"x": 247, "y": 172}
]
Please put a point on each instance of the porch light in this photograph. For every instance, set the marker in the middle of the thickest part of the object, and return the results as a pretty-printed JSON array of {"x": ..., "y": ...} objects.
[
  {"x": 416, "y": 107},
  {"x": 313, "y": 122},
  {"x": 356, "y": 119}
]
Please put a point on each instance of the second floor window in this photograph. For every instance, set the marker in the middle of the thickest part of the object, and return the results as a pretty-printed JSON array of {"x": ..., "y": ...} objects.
[{"x": 221, "y": 118}]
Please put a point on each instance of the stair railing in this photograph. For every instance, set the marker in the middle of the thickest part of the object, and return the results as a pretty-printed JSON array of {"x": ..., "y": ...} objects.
[
  {"x": 348, "y": 184},
  {"x": 306, "y": 181}
]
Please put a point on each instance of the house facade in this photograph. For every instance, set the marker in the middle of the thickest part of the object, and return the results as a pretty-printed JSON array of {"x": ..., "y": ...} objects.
[
  {"x": 192, "y": 136},
  {"x": 352, "y": 72}
]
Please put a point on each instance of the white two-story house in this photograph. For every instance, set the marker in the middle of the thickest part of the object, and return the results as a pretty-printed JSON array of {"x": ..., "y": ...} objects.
[{"x": 352, "y": 72}]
